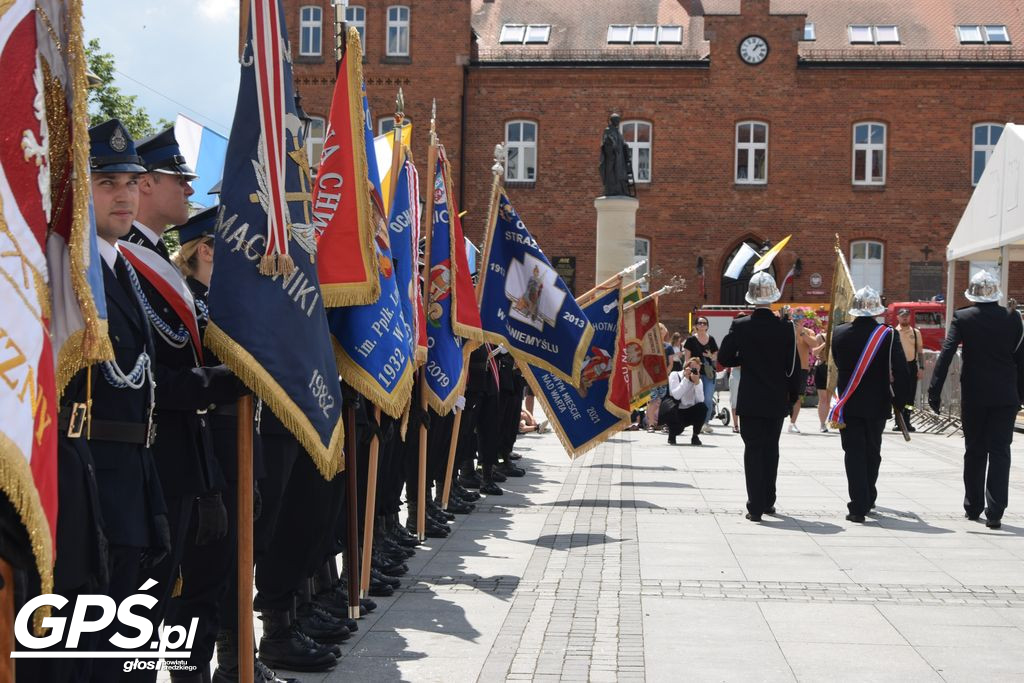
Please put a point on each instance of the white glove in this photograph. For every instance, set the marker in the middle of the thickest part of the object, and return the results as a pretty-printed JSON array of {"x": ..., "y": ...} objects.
[{"x": 460, "y": 403}]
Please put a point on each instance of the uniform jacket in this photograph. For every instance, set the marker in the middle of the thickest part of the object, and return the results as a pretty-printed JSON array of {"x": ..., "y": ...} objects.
[
  {"x": 871, "y": 398},
  {"x": 184, "y": 447},
  {"x": 765, "y": 348},
  {"x": 993, "y": 356},
  {"x": 480, "y": 379}
]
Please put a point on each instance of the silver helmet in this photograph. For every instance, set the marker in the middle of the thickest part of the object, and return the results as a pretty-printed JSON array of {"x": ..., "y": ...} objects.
[
  {"x": 984, "y": 288},
  {"x": 762, "y": 289},
  {"x": 867, "y": 303}
]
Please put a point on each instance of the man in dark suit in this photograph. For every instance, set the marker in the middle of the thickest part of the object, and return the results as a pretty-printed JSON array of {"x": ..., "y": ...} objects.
[
  {"x": 991, "y": 387},
  {"x": 765, "y": 348},
  {"x": 869, "y": 402}
]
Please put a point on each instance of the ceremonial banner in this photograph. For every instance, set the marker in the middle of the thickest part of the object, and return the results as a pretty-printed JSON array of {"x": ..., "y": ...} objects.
[
  {"x": 584, "y": 417},
  {"x": 641, "y": 350},
  {"x": 405, "y": 237},
  {"x": 204, "y": 150},
  {"x": 525, "y": 305},
  {"x": 739, "y": 261},
  {"x": 842, "y": 299},
  {"x": 342, "y": 212},
  {"x": 384, "y": 148},
  {"x": 271, "y": 329},
  {"x": 28, "y": 416},
  {"x": 453, "y": 320}
]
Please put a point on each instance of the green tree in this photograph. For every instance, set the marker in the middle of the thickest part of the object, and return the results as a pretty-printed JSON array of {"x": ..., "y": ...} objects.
[{"x": 106, "y": 101}]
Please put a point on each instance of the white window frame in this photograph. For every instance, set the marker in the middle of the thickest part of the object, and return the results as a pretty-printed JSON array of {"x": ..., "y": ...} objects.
[
  {"x": 642, "y": 252},
  {"x": 620, "y": 34},
  {"x": 398, "y": 21},
  {"x": 985, "y": 147},
  {"x": 355, "y": 16},
  {"x": 809, "y": 33},
  {"x": 312, "y": 29},
  {"x": 670, "y": 34},
  {"x": 989, "y": 29},
  {"x": 524, "y": 151},
  {"x": 537, "y": 34},
  {"x": 869, "y": 148},
  {"x": 749, "y": 148},
  {"x": 865, "y": 34},
  {"x": 970, "y": 33},
  {"x": 636, "y": 146},
  {"x": 512, "y": 33},
  {"x": 315, "y": 143},
  {"x": 645, "y": 34},
  {"x": 866, "y": 269}
]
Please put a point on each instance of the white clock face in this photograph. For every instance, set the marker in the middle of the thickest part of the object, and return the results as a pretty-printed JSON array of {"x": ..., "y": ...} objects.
[{"x": 753, "y": 49}]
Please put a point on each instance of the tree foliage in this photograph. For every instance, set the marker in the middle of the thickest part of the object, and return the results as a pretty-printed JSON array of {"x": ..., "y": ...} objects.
[{"x": 106, "y": 101}]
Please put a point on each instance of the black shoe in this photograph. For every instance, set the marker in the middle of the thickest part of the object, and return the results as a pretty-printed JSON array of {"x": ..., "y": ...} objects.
[
  {"x": 672, "y": 441},
  {"x": 438, "y": 512},
  {"x": 510, "y": 470},
  {"x": 264, "y": 674},
  {"x": 514, "y": 456},
  {"x": 695, "y": 441},
  {"x": 753, "y": 518},
  {"x": 381, "y": 590},
  {"x": 911, "y": 428},
  {"x": 770, "y": 511},
  {"x": 859, "y": 519},
  {"x": 496, "y": 475},
  {"x": 458, "y": 506},
  {"x": 403, "y": 536},
  {"x": 284, "y": 646},
  {"x": 491, "y": 489},
  {"x": 973, "y": 516},
  {"x": 993, "y": 523},
  {"x": 896, "y": 428},
  {"x": 367, "y": 604},
  {"x": 316, "y": 623},
  {"x": 470, "y": 480},
  {"x": 465, "y": 494},
  {"x": 377, "y": 575}
]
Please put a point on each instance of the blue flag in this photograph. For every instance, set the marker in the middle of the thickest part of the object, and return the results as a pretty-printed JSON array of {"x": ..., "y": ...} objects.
[
  {"x": 526, "y": 305},
  {"x": 405, "y": 238},
  {"x": 584, "y": 417},
  {"x": 271, "y": 328},
  {"x": 453, "y": 323}
]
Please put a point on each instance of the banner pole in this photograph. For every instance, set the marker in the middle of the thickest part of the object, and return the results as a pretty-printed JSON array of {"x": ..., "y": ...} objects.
[
  {"x": 246, "y": 637},
  {"x": 611, "y": 283},
  {"x": 396, "y": 151},
  {"x": 371, "y": 505},
  {"x": 421, "y": 479},
  {"x": 498, "y": 169},
  {"x": 352, "y": 503},
  {"x": 664, "y": 290},
  {"x": 453, "y": 444}
]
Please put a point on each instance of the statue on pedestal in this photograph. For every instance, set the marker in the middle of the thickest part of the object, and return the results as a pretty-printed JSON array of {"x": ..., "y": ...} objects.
[{"x": 616, "y": 161}]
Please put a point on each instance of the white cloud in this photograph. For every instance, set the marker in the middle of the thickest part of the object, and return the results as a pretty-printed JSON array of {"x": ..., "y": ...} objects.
[{"x": 219, "y": 10}]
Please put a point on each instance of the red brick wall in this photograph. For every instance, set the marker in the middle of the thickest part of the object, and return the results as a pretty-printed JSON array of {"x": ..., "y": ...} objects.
[{"x": 692, "y": 207}]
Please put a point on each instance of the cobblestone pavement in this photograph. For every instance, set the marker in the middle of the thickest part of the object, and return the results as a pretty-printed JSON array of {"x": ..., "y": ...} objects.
[{"x": 635, "y": 563}]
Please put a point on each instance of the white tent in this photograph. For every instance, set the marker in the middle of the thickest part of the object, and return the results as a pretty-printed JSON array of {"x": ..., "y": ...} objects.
[{"x": 992, "y": 226}]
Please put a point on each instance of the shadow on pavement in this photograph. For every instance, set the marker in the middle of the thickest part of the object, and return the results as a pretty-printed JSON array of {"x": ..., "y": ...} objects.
[
  {"x": 605, "y": 503},
  {"x": 569, "y": 541}
]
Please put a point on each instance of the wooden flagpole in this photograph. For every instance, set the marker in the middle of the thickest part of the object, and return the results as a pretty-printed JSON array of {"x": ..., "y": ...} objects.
[
  {"x": 611, "y": 283},
  {"x": 421, "y": 480},
  {"x": 374, "y": 463},
  {"x": 6, "y": 622},
  {"x": 352, "y": 503},
  {"x": 245, "y": 624}
]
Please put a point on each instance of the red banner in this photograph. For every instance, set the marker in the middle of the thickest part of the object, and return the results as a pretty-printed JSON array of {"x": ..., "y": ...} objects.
[{"x": 641, "y": 353}]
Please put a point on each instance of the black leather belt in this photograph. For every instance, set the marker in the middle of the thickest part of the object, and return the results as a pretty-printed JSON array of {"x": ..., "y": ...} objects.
[
  {"x": 72, "y": 421},
  {"x": 229, "y": 410}
]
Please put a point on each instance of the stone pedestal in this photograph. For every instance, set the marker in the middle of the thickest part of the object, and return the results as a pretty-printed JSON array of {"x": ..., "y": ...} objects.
[{"x": 616, "y": 233}]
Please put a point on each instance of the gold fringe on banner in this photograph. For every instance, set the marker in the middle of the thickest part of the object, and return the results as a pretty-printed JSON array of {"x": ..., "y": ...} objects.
[
  {"x": 394, "y": 403},
  {"x": 329, "y": 460},
  {"x": 444, "y": 407},
  {"x": 17, "y": 484}
]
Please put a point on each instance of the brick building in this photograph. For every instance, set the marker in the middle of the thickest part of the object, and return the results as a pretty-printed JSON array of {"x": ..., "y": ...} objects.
[{"x": 749, "y": 120}]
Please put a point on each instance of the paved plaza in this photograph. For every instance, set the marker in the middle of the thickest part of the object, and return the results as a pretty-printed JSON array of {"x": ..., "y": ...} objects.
[{"x": 635, "y": 563}]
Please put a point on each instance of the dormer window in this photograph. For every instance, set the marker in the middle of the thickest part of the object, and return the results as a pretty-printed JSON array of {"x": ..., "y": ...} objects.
[
  {"x": 982, "y": 33},
  {"x": 874, "y": 35},
  {"x": 809, "y": 31},
  {"x": 645, "y": 34},
  {"x": 668, "y": 35}
]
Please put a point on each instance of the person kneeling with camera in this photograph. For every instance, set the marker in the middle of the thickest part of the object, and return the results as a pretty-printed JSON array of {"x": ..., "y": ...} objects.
[{"x": 684, "y": 406}]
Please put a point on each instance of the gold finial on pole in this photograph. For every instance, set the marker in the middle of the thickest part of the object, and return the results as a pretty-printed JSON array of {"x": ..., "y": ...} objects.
[{"x": 399, "y": 108}]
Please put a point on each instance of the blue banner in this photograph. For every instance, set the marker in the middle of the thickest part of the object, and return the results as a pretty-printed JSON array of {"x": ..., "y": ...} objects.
[
  {"x": 581, "y": 417},
  {"x": 405, "y": 236},
  {"x": 526, "y": 305},
  {"x": 272, "y": 329}
]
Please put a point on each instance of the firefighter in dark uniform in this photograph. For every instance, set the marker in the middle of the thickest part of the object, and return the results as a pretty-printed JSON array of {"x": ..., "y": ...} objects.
[
  {"x": 116, "y": 428},
  {"x": 186, "y": 389},
  {"x": 991, "y": 386},
  {"x": 885, "y": 380},
  {"x": 511, "y": 399}
]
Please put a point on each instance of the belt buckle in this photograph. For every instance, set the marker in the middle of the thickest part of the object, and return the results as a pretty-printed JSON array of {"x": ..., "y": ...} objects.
[{"x": 79, "y": 412}]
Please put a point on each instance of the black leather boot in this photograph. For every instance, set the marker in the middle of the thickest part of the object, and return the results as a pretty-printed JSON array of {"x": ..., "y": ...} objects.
[
  {"x": 319, "y": 625},
  {"x": 284, "y": 646}
]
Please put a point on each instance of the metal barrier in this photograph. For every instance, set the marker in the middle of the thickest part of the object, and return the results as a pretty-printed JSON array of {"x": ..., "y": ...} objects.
[{"x": 923, "y": 418}]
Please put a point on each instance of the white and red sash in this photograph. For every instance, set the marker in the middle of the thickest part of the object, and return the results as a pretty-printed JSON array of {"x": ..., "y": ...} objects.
[
  {"x": 169, "y": 283},
  {"x": 835, "y": 414}
]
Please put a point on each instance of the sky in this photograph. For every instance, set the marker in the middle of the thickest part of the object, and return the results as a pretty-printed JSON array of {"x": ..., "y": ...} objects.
[{"x": 177, "y": 56}]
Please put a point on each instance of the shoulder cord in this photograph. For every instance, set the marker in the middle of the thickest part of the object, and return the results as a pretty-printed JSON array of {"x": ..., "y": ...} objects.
[
  {"x": 140, "y": 375},
  {"x": 178, "y": 338}
]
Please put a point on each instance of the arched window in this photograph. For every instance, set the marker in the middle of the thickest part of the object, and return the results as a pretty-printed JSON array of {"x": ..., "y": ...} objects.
[
  {"x": 869, "y": 153},
  {"x": 521, "y": 146},
  {"x": 315, "y": 140},
  {"x": 310, "y": 30},
  {"x": 638, "y": 136},
  {"x": 398, "y": 31},
  {"x": 751, "y": 152},
  {"x": 867, "y": 264},
  {"x": 985, "y": 137}
]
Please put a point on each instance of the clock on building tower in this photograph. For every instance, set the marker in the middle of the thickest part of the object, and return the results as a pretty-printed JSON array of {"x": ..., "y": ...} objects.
[{"x": 753, "y": 49}]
